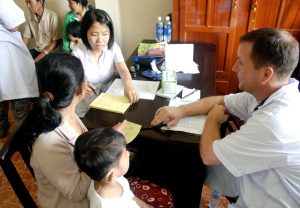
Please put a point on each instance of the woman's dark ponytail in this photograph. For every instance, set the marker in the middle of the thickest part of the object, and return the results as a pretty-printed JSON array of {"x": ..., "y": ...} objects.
[{"x": 59, "y": 77}]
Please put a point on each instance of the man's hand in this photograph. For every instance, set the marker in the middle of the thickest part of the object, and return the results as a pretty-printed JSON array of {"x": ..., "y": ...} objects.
[
  {"x": 167, "y": 114},
  {"x": 218, "y": 114}
]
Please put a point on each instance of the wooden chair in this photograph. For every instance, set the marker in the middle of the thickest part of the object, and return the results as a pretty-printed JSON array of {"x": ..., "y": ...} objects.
[{"x": 13, "y": 145}]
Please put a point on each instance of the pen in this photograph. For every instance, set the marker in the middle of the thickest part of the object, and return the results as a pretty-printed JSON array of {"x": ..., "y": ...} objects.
[
  {"x": 154, "y": 127},
  {"x": 91, "y": 86},
  {"x": 189, "y": 94},
  {"x": 94, "y": 91}
]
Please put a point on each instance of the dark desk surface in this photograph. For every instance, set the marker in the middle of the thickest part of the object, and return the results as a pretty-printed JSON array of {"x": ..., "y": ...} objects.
[
  {"x": 143, "y": 111},
  {"x": 168, "y": 158}
]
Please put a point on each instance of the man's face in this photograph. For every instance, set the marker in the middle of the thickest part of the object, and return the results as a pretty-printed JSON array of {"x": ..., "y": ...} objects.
[
  {"x": 34, "y": 5},
  {"x": 248, "y": 76}
]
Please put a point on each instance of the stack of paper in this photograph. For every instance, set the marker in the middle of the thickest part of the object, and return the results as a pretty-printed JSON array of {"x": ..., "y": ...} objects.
[
  {"x": 112, "y": 103},
  {"x": 179, "y": 58}
]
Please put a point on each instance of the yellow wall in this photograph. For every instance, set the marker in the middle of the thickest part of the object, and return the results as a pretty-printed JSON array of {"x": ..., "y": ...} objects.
[{"x": 59, "y": 6}]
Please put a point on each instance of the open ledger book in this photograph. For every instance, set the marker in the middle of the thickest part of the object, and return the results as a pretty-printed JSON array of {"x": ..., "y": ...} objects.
[{"x": 112, "y": 103}]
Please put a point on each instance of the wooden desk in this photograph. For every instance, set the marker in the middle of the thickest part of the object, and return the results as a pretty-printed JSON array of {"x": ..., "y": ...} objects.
[{"x": 168, "y": 158}]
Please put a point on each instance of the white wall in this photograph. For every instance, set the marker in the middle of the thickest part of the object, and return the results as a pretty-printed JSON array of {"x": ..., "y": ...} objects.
[
  {"x": 112, "y": 7},
  {"x": 134, "y": 20}
]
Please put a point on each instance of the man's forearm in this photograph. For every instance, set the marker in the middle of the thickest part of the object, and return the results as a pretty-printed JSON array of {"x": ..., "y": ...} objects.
[
  {"x": 211, "y": 132},
  {"x": 203, "y": 106},
  {"x": 45, "y": 51},
  {"x": 51, "y": 47}
]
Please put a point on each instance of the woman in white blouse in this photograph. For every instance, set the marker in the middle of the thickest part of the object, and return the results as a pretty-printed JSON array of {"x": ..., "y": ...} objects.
[{"x": 101, "y": 57}]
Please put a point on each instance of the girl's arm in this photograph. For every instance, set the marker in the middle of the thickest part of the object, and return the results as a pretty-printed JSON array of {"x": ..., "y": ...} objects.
[{"x": 140, "y": 202}]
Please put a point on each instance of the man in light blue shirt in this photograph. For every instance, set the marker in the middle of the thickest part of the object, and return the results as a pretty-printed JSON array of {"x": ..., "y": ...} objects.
[{"x": 260, "y": 163}]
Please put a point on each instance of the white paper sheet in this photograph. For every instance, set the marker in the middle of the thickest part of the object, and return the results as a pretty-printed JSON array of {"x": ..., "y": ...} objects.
[
  {"x": 147, "y": 89},
  {"x": 179, "y": 57},
  {"x": 191, "y": 124}
]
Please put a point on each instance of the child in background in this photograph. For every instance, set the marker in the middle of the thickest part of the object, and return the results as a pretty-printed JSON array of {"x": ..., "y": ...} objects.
[
  {"x": 73, "y": 31},
  {"x": 102, "y": 155}
]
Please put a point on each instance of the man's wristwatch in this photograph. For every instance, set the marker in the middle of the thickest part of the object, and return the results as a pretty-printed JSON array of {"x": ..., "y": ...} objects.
[{"x": 45, "y": 52}]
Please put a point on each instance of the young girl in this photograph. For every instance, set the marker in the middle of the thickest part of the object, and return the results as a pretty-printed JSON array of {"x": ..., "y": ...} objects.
[
  {"x": 100, "y": 55},
  {"x": 78, "y": 9},
  {"x": 102, "y": 155},
  {"x": 73, "y": 31}
]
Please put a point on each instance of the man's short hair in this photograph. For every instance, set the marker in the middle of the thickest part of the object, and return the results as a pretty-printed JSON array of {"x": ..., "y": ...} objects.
[{"x": 273, "y": 47}]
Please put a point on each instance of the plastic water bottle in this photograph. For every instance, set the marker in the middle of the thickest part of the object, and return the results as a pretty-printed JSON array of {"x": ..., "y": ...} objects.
[
  {"x": 159, "y": 30},
  {"x": 167, "y": 30},
  {"x": 215, "y": 199}
]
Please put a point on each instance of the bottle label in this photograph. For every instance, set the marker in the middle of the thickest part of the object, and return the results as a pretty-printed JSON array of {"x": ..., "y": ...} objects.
[
  {"x": 168, "y": 82},
  {"x": 159, "y": 34},
  {"x": 167, "y": 32}
]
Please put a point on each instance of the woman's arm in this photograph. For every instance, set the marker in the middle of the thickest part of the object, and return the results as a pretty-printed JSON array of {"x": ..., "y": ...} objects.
[{"x": 129, "y": 90}]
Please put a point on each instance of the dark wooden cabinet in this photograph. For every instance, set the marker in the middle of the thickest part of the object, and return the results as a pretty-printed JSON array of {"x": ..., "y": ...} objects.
[{"x": 223, "y": 22}]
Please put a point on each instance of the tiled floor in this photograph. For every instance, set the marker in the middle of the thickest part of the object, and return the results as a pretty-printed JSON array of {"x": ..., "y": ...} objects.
[{"x": 206, "y": 196}]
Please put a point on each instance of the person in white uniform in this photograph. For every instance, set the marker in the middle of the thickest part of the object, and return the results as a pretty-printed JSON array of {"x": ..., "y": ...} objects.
[
  {"x": 260, "y": 163},
  {"x": 101, "y": 57},
  {"x": 102, "y": 155},
  {"x": 18, "y": 80}
]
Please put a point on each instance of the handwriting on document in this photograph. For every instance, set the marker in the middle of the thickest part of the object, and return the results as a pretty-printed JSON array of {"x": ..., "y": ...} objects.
[
  {"x": 147, "y": 89},
  {"x": 191, "y": 124}
]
